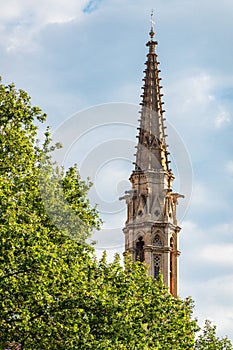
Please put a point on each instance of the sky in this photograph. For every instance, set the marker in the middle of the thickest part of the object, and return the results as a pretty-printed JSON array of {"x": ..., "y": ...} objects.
[{"x": 82, "y": 62}]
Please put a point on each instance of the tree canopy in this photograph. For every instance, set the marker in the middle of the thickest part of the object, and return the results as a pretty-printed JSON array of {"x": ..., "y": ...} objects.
[
  {"x": 38, "y": 261},
  {"x": 54, "y": 293}
]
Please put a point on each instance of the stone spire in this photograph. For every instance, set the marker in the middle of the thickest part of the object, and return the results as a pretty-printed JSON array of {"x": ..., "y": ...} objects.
[
  {"x": 152, "y": 151},
  {"x": 151, "y": 229}
]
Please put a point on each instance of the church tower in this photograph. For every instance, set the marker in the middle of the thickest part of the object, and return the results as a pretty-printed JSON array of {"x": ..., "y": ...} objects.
[{"x": 151, "y": 230}]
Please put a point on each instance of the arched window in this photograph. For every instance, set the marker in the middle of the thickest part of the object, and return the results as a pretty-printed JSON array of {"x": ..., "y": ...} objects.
[
  {"x": 140, "y": 249},
  {"x": 157, "y": 240},
  {"x": 172, "y": 243}
]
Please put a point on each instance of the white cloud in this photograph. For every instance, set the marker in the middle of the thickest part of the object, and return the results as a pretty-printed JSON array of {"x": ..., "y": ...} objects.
[
  {"x": 196, "y": 90},
  {"x": 191, "y": 230},
  {"x": 192, "y": 100},
  {"x": 223, "y": 118},
  {"x": 47, "y": 11},
  {"x": 22, "y": 20},
  {"x": 219, "y": 254},
  {"x": 197, "y": 97},
  {"x": 213, "y": 301},
  {"x": 207, "y": 244},
  {"x": 199, "y": 89}
]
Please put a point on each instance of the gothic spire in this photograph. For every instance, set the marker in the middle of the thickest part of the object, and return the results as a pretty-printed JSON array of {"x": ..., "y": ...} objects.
[
  {"x": 151, "y": 229},
  {"x": 152, "y": 150}
]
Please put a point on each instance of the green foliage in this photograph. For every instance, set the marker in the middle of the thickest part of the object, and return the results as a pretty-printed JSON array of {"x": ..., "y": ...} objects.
[
  {"x": 38, "y": 261},
  {"x": 130, "y": 310},
  {"x": 54, "y": 294},
  {"x": 208, "y": 339}
]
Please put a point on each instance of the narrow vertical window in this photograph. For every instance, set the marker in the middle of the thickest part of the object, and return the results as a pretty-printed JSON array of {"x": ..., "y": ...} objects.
[
  {"x": 140, "y": 250},
  {"x": 171, "y": 265},
  {"x": 157, "y": 264}
]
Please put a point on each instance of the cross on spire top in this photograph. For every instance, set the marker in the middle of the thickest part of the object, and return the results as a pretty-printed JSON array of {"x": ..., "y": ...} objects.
[
  {"x": 152, "y": 19},
  {"x": 152, "y": 32}
]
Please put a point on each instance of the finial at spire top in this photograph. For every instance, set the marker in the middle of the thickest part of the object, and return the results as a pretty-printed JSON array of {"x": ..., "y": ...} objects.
[{"x": 152, "y": 32}]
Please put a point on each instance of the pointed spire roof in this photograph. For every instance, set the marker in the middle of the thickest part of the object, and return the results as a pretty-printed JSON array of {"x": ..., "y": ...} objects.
[{"x": 152, "y": 149}]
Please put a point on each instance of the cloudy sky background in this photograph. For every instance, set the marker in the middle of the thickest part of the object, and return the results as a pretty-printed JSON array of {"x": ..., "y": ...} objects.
[{"x": 77, "y": 55}]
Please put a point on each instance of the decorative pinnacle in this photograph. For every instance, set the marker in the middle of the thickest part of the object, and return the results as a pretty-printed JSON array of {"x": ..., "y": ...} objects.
[{"x": 152, "y": 32}]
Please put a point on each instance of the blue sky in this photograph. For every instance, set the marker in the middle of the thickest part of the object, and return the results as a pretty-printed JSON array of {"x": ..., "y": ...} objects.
[{"x": 76, "y": 55}]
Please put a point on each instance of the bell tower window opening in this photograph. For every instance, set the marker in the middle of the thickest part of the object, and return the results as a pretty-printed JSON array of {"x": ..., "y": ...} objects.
[
  {"x": 140, "y": 249},
  {"x": 157, "y": 265}
]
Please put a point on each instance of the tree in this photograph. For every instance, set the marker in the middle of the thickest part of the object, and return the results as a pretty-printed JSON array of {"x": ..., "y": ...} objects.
[
  {"x": 54, "y": 293},
  {"x": 131, "y": 310},
  {"x": 38, "y": 261},
  {"x": 208, "y": 339}
]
